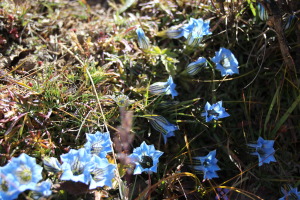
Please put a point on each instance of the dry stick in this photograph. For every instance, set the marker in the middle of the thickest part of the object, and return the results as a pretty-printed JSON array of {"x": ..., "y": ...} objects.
[
  {"x": 298, "y": 48},
  {"x": 102, "y": 113},
  {"x": 275, "y": 21}
]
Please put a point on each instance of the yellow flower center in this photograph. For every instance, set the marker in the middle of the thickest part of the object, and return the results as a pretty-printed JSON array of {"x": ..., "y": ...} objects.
[
  {"x": 24, "y": 174},
  {"x": 4, "y": 186}
]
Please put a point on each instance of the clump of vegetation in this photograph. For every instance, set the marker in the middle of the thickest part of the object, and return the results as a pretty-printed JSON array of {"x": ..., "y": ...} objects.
[{"x": 165, "y": 99}]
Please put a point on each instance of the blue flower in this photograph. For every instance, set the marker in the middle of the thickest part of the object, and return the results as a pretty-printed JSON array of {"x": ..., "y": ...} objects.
[
  {"x": 143, "y": 40},
  {"x": 76, "y": 166},
  {"x": 26, "y": 171},
  {"x": 171, "y": 87},
  {"x": 226, "y": 62},
  {"x": 43, "y": 189},
  {"x": 8, "y": 186},
  {"x": 262, "y": 13},
  {"x": 175, "y": 32},
  {"x": 164, "y": 88},
  {"x": 102, "y": 173},
  {"x": 208, "y": 165},
  {"x": 264, "y": 150},
  {"x": 215, "y": 111},
  {"x": 145, "y": 158},
  {"x": 290, "y": 23},
  {"x": 98, "y": 144},
  {"x": 292, "y": 194},
  {"x": 195, "y": 30},
  {"x": 163, "y": 126},
  {"x": 51, "y": 164},
  {"x": 194, "y": 67}
]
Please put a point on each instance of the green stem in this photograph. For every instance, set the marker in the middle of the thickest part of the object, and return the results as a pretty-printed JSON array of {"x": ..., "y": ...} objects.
[
  {"x": 213, "y": 85},
  {"x": 133, "y": 188}
]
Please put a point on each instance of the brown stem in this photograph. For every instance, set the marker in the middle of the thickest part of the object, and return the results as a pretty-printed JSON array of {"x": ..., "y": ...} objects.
[{"x": 275, "y": 21}]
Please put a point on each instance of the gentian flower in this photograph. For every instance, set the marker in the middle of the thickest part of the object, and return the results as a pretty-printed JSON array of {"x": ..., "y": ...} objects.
[
  {"x": 194, "y": 67},
  {"x": 264, "y": 150},
  {"x": 164, "y": 88},
  {"x": 51, "y": 164},
  {"x": 262, "y": 13},
  {"x": 215, "y": 111},
  {"x": 175, "y": 32},
  {"x": 226, "y": 62},
  {"x": 102, "y": 173},
  {"x": 122, "y": 100},
  {"x": 76, "y": 166},
  {"x": 163, "y": 126},
  {"x": 8, "y": 186},
  {"x": 222, "y": 194},
  {"x": 208, "y": 165},
  {"x": 98, "y": 144},
  {"x": 193, "y": 31},
  {"x": 290, "y": 22},
  {"x": 143, "y": 40},
  {"x": 145, "y": 158},
  {"x": 292, "y": 194},
  {"x": 25, "y": 170}
]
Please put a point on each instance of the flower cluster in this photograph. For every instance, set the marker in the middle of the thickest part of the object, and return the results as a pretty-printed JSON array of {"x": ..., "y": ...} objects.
[
  {"x": 264, "y": 150},
  {"x": 21, "y": 174},
  {"x": 194, "y": 32},
  {"x": 87, "y": 165},
  {"x": 145, "y": 158},
  {"x": 224, "y": 60}
]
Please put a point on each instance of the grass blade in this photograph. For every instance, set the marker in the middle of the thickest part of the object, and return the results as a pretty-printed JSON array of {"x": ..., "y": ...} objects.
[
  {"x": 284, "y": 117},
  {"x": 270, "y": 109}
]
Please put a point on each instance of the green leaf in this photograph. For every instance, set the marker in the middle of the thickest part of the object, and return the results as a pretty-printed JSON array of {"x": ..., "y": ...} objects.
[
  {"x": 156, "y": 50},
  {"x": 126, "y": 5},
  {"x": 271, "y": 108},
  {"x": 169, "y": 64},
  {"x": 250, "y": 3}
]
